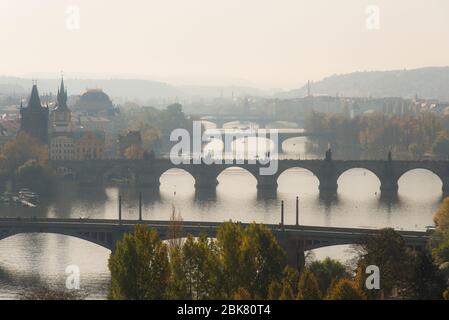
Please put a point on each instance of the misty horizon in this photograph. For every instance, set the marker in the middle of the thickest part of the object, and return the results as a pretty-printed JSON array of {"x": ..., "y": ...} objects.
[
  {"x": 254, "y": 44},
  {"x": 213, "y": 81}
]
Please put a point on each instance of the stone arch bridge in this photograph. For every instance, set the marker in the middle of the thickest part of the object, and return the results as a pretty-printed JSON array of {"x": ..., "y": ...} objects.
[{"x": 146, "y": 173}]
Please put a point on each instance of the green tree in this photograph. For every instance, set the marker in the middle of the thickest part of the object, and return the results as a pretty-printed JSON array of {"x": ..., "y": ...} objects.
[
  {"x": 201, "y": 268},
  {"x": 287, "y": 292},
  {"x": 328, "y": 271},
  {"x": 441, "y": 217},
  {"x": 229, "y": 242},
  {"x": 446, "y": 294},
  {"x": 274, "y": 290},
  {"x": 17, "y": 152},
  {"x": 425, "y": 281},
  {"x": 241, "y": 294},
  {"x": 139, "y": 267},
  {"x": 37, "y": 177},
  {"x": 263, "y": 260},
  {"x": 441, "y": 145},
  {"x": 345, "y": 289},
  {"x": 308, "y": 287},
  {"x": 441, "y": 252},
  {"x": 179, "y": 288},
  {"x": 440, "y": 238},
  {"x": 290, "y": 278},
  {"x": 387, "y": 250}
]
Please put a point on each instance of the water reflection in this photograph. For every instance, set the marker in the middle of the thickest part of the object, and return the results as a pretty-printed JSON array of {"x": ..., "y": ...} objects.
[{"x": 41, "y": 258}]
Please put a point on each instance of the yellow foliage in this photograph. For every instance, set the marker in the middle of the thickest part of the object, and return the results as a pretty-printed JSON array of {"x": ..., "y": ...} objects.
[{"x": 441, "y": 217}]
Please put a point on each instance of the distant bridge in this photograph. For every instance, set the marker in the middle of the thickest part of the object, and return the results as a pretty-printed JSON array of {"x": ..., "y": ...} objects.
[
  {"x": 228, "y": 136},
  {"x": 261, "y": 121},
  {"x": 295, "y": 239},
  {"x": 146, "y": 173}
]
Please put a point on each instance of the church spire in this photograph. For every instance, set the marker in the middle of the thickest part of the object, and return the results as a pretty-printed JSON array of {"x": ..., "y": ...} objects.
[
  {"x": 35, "y": 101},
  {"x": 62, "y": 95}
]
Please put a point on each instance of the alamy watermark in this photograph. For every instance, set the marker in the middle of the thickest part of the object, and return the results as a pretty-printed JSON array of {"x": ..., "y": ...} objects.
[
  {"x": 372, "y": 282},
  {"x": 188, "y": 149},
  {"x": 72, "y": 281},
  {"x": 372, "y": 21},
  {"x": 73, "y": 18}
]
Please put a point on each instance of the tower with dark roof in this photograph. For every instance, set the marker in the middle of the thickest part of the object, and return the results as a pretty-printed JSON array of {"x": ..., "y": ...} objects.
[
  {"x": 34, "y": 118},
  {"x": 61, "y": 115}
]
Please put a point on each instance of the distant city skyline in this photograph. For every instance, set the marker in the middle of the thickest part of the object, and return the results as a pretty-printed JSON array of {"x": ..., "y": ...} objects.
[{"x": 254, "y": 43}]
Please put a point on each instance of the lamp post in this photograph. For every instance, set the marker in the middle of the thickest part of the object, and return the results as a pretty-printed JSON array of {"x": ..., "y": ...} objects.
[
  {"x": 120, "y": 209},
  {"x": 297, "y": 211},
  {"x": 140, "y": 206},
  {"x": 282, "y": 215}
]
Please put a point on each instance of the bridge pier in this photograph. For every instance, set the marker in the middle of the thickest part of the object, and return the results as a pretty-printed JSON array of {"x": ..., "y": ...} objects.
[
  {"x": 327, "y": 176},
  {"x": 267, "y": 182},
  {"x": 388, "y": 186},
  {"x": 445, "y": 187},
  {"x": 328, "y": 185},
  {"x": 205, "y": 182},
  {"x": 143, "y": 180},
  {"x": 295, "y": 250}
]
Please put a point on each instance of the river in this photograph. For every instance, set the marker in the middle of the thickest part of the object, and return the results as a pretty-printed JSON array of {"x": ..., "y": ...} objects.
[{"x": 41, "y": 259}]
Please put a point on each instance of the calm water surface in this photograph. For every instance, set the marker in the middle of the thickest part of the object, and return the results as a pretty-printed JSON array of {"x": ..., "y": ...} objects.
[{"x": 41, "y": 259}]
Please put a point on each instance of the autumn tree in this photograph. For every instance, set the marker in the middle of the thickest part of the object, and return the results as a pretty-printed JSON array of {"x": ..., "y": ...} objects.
[
  {"x": 36, "y": 176},
  {"x": 308, "y": 287},
  {"x": 327, "y": 271},
  {"x": 440, "y": 238},
  {"x": 345, "y": 289},
  {"x": 441, "y": 217},
  {"x": 387, "y": 250},
  {"x": 24, "y": 148},
  {"x": 174, "y": 230},
  {"x": 139, "y": 266},
  {"x": 241, "y": 294},
  {"x": 441, "y": 145},
  {"x": 274, "y": 290},
  {"x": 263, "y": 260},
  {"x": 425, "y": 281},
  {"x": 201, "y": 271},
  {"x": 287, "y": 292},
  {"x": 229, "y": 242}
]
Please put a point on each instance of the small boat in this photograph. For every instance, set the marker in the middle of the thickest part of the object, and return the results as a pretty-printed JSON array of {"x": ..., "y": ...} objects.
[
  {"x": 27, "y": 195},
  {"x": 26, "y": 203}
]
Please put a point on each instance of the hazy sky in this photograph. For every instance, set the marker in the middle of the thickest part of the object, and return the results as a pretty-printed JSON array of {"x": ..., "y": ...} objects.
[{"x": 269, "y": 43}]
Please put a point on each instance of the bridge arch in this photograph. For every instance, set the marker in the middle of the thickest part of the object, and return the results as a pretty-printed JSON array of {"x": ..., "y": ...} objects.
[
  {"x": 295, "y": 141},
  {"x": 240, "y": 175},
  {"x": 183, "y": 176},
  {"x": 358, "y": 167},
  {"x": 416, "y": 180},
  {"x": 209, "y": 124},
  {"x": 281, "y": 124},
  {"x": 238, "y": 124},
  {"x": 359, "y": 180},
  {"x": 103, "y": 239},
  {"x": 289, "y": 176}
]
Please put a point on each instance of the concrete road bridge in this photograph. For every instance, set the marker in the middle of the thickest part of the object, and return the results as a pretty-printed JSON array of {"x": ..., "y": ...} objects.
[{"x": 295, "y": 239}]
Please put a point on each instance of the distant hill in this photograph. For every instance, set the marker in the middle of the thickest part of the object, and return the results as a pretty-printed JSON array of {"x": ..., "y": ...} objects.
[
  {"x": 431, "y": 82},
  {"x": 224, "y": 91},
  {"x": 125, "y": 88}
]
